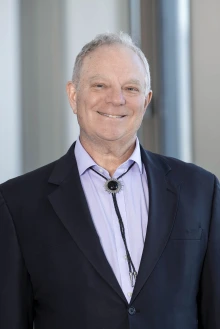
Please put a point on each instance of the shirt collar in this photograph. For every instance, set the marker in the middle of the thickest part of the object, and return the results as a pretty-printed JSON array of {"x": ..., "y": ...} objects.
[{"x": 84, "y": 160}]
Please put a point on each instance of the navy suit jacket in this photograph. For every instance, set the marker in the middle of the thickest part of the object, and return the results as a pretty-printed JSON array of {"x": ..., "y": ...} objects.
[{"x": 53, "y": 271}]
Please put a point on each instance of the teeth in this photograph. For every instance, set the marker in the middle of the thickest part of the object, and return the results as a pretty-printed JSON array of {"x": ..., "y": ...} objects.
[{"x": 111, "y": 116}]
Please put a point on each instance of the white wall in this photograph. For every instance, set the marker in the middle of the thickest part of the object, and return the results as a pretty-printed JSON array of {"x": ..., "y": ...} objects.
[{"x": 205, "y": 23}]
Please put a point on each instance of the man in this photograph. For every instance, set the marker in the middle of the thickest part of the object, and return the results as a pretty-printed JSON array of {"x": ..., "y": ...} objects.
[{"x": 110, "y": 236}]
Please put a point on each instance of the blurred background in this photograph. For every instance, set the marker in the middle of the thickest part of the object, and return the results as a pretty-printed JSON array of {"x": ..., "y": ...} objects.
[{"x": 39, "y": 42}]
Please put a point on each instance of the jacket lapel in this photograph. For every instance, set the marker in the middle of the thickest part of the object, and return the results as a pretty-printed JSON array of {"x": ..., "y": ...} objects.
[
  {"x": 69, "y": 203},
  {"x": 163, "y": 203}
]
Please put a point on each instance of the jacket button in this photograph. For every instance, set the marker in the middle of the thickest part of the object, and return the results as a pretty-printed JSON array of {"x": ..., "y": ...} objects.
[{"x": 131, "y": 310}]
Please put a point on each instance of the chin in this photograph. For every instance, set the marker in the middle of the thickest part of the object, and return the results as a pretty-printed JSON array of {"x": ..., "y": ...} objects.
[
  {"x": 115, "y": 137},
  {"x": 110, "y": 138}
]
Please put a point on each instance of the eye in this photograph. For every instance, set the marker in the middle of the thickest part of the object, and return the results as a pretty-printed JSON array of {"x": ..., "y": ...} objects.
[
  {"x": 132, "y": 89},
  {"x": 99, "y": 85}
]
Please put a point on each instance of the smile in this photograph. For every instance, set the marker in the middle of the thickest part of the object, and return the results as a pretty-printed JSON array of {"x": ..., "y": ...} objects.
[{"x": 112, "y": 116}]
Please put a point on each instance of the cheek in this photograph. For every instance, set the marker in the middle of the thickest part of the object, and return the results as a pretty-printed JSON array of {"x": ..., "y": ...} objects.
[
  {"x": 139, "y": 111},
  {"x": 85, "y": 114},
  {"x": 89, "y": 104}
]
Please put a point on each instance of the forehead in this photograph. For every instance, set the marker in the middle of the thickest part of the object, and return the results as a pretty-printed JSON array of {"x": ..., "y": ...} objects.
[{"x": 113, "y": 59}]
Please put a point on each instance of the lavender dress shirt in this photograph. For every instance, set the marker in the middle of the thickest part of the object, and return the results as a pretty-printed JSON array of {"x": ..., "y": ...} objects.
[{"x": 133, "y": 202}]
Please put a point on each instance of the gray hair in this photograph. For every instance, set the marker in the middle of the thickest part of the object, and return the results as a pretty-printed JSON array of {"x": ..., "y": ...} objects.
[{"x": 110, "y": 39}]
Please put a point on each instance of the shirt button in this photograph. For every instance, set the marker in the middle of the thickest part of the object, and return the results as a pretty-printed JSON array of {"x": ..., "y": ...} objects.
[
  {"x": 129, "y": 294},
  {"x": 131, "y": 310}
]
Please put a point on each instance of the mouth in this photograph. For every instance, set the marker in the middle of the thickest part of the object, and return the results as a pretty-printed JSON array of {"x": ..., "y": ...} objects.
[{"x": 111, "y": 115}]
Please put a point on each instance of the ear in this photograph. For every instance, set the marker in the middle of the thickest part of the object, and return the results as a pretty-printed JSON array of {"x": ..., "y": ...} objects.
[
  {"x": 71, "y": 93},
  {"x": 148, "y": 99}
]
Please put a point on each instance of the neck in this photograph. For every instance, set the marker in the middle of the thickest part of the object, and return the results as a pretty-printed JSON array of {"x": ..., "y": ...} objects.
[{"x": 109, "y": 155}]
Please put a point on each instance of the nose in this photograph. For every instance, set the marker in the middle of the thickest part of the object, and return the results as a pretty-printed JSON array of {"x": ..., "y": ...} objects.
[{"x": 115, "y": 96}]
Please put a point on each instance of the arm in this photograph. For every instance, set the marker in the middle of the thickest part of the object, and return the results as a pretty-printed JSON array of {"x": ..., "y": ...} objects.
[
  {"x": 209, "y": 306},
  {"x": 16, "y": 299}
]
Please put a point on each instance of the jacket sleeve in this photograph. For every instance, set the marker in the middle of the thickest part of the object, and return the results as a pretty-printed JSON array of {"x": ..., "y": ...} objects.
[
  {"x": 209, "y": 304},
  {"x": 16, "y": 298}
]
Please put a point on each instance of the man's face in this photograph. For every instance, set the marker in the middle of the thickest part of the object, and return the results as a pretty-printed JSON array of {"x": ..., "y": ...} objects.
[{"x": 110, "y": 100}]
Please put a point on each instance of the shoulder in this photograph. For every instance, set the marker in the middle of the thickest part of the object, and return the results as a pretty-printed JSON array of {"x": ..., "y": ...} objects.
[
  {"x": 177, "y": 164},
  {"x": 37, "y": 184},
  {"x": 182, "y": 171},
  {"x": 32, "y": 183},
  {"x": 35, "y": 176}
]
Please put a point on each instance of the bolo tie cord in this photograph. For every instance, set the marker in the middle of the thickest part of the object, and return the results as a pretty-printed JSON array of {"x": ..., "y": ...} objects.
[{"x": 113, "y": 191}]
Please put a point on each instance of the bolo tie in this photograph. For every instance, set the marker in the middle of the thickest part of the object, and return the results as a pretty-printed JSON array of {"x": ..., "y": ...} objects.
[{"x": 113, "y": 186}]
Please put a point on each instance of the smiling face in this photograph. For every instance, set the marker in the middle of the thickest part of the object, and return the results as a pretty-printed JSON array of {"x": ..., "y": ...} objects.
[{"x": 110, "y": 99}]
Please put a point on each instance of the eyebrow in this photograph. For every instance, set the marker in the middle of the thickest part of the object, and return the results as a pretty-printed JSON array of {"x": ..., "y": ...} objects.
[
  {"x": 131, "y": 81},
  {"x": 97, "y": 76},
  {"x": 134, "y": 81}
]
